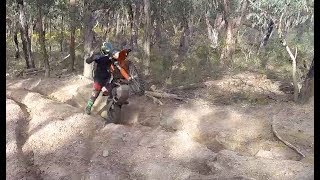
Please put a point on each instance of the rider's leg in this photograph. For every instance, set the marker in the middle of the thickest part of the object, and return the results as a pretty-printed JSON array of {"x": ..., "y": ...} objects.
[
  {"x": 94, "y": 95},
  {"x": 107, "y": 87}
]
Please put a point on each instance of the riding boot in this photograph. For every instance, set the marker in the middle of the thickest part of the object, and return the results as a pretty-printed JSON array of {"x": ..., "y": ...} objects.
[
  {"x": 91, "y": 101},
  {"x": 89, "y": 106}
]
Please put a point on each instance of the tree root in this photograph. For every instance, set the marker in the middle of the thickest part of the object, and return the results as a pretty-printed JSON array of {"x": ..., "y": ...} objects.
[
  {"x": 286, "y": 142},
  {"x": 155, "y": 100}
]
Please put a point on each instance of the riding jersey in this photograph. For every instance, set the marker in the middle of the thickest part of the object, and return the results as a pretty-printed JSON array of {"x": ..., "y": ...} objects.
[{"x": 103, "y": 62}]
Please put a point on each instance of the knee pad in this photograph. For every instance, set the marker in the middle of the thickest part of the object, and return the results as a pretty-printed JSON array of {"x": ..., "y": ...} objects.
[
  {"x": 95, "y": 93},
  {"x": 96, "y": 86}
]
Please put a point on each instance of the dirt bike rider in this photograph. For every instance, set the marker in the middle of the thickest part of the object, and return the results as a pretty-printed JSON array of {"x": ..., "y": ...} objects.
[{"x": 102, "y": 73}]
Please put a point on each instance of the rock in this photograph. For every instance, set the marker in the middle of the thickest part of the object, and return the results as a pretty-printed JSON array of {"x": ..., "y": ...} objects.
[
  {"x": 171, "y": 124},
  {"x": 265, "y": 154},
  {"x": 105, "y": 153},
  {"x": 146, "y": 141},
  {"x": 153, "y": 87}
]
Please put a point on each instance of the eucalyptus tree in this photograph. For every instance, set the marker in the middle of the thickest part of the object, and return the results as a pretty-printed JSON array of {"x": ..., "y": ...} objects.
[
  {"x": 146, "y": 43},
  {"x": 24, "y": 32},
  {"x": 72, "y": 4},
  {"x": 42, "y": 9},
  {"x": 285, "y": 16},
  {"x": 233, "y": 13},
  {"x": 92, "y": 9},
  {"x": 12, "y": 25}
]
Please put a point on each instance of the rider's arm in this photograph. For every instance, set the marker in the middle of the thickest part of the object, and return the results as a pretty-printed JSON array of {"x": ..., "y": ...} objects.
[
  {"x": 90, "y": 59},
  {"x": 99, "y": 58},
  {"x": 94, "y": 57}
]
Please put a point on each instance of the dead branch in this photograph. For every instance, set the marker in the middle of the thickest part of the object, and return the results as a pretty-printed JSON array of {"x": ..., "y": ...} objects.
[
  {"x": 66, "y": 57},
  {"x": 284, "y": 141},
  {"x": 189, "y": 86},
  {"x": 164, "y": 95},
  {"x": 155, "y": 100},
  {"x": 280, "y": 25},
  {"x": 32, "y": 70},
  {"x": 35, "y": 72}
]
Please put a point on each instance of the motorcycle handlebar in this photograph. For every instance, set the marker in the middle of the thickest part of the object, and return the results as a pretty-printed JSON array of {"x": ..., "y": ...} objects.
[{"x": 124, "y": 81}]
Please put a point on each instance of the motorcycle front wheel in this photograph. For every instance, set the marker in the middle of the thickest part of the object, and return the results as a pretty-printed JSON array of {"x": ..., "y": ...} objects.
[
  {"x": 114, "y": 113},
  {"x": 137, "y": 83}
]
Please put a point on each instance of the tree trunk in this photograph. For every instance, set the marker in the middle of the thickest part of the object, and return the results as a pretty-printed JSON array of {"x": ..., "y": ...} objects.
[
  {"x": 123, "y": 22},
  {"x": 191, "y": 25},
  {"x": 158, "y": 34},
  {"x": 88, "y": 41},
  {"x": 136, "y": 15},
  {"x": 157, "y": 20},
  {"x": 26, "y": 42},
  {"x": 264, "y": 42},
  {"x": 118, "y": 24},
  {"x": 15, "y": 39},
  {"x": 16, "y": 44},
  {"x": 50, "y": 35},
  {"x": 232, "y": 26},
  {"x": 184, "y": 41},
  {"x": 146, "y": 46},
  {"x": 61, "y": 34},
  {"x": 307, "y": 89},
  {"x": 267, "y": 36},
  {"x": 72, "y": 34},
  {"x": 294, "y": 69},
  {"x": 213, "y": 32},
  {"x": 140, "y": 17},
  {"x": 30, "y": 32},
  {"x": 133, "y": 25},
  {"x": 25, "y": 49},
  {"x": 107, "y": 30},
  {"x": 42, "y": 41},
  {"x": 294, "y": 77},
  {"x": 230, "y": 44}
]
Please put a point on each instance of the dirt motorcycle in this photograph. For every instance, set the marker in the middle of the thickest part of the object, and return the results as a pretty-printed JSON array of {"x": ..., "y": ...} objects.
[{"x": 125, "y": 81}]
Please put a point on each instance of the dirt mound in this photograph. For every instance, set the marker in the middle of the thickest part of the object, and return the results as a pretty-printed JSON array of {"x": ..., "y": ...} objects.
[
  {"x": 230, "y": 165},
  {"x": 15, "y": 166},
  {"x": 245, "y": 87},
  {"x": 176, "y": 141},
  {"x": 56, "y": 135}
]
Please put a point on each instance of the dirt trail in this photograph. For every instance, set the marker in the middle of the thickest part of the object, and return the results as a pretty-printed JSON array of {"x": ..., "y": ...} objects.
[{"x": 194, "y": 140}]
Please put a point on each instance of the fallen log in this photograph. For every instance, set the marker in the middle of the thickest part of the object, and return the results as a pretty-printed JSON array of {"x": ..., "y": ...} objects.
[
  {"x": 163, "y": 95},
  {"x": 35, "y": 72},
  {"x": 189, "y": 86},
  {"x": 33, "y": 69},
  {"x": 155, "y": 100}
]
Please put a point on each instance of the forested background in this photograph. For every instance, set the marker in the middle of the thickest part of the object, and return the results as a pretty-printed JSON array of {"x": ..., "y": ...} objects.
[
  {"x": 229, "y": 88},
  {"x": 174, "y": 42}
]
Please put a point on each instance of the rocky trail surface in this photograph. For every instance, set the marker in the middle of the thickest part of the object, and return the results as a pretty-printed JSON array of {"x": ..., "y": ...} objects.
[{"x": 49, "y": 136}]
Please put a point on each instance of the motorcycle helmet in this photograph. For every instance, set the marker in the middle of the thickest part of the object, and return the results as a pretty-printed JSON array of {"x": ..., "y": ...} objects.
[{"x": 106, "y": 48}]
